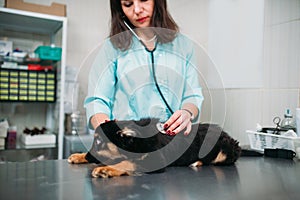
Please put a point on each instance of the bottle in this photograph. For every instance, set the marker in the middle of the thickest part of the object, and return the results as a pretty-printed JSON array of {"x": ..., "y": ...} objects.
[
  {"x": 298, "y": 125},
  {"x": 288, "y": 121}
]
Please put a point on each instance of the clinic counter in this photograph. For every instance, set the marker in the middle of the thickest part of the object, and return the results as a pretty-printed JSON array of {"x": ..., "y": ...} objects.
[{"x": 257, "y": 178}]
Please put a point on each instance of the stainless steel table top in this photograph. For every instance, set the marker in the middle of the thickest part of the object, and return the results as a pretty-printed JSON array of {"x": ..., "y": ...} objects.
[{"x": 251, "y": 178}]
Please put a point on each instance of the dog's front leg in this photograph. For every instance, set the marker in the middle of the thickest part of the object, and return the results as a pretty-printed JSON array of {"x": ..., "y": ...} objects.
[
  {"x": 124, "y": 168},
  {"x": 77, "y": 158}
]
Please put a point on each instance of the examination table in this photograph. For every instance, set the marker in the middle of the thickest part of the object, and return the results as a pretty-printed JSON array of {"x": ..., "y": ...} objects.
[{"x": 250, "y": 178}]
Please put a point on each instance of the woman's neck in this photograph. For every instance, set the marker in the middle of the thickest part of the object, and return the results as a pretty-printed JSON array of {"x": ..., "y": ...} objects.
[{"x": 148, "y": 38}]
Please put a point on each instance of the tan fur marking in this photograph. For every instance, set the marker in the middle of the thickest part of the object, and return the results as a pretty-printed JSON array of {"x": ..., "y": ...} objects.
[
  {"x": 196, "y": 164},
  {"x": 77, "y": 158},
  {"x": 112, "y": 152},
  {"x": 220, "y": 158},
  {"x": 113, "y": 148},
  {"x": 143, "y": 157}
]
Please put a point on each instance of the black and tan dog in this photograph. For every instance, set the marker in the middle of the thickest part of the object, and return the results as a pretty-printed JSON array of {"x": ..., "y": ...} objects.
[{"x": 129, "y": 147}]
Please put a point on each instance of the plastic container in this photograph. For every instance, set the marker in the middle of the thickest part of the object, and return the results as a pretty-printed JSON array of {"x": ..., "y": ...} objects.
[
  {"x": 49, "y": 53},
  {"x": 298, "y": 121},
  {"x": 75, "y": 124},
  {"x": 259, "y": 141},
  {"x": 288, "y": 121}
]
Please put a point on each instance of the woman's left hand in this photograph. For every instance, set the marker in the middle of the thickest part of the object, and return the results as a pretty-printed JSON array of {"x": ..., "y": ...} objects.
[{"x": 180, "y": 120}]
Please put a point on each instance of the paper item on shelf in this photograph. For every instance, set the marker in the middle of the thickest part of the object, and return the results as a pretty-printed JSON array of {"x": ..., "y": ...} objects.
[
  {"x": 3, "y": 132},
  {"x": 5, "y": 47},
  {"x": 3, "y": 128},
  {"x": 2, "y": 142},
  {"x": 46, "y": 139},
  {"x": 13, "y": 65}
]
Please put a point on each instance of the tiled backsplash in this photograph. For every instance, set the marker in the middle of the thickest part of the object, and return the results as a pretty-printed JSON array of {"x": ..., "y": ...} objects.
[
  {"x": 281, "y": 74},
  {"x": 244, "y": 108}
]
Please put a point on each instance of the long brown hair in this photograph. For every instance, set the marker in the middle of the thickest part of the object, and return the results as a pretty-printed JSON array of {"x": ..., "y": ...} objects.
[{"x": 161, "y": 18}]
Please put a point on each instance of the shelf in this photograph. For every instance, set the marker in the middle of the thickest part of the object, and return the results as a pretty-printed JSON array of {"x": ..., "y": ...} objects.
[
  {"x": 13, "y": 20},
  {"x": 21, "y": 146},
  {"x": 24, "y": 21}
]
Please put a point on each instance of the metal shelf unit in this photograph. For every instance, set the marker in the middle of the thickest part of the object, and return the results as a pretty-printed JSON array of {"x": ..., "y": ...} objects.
[{"x": 37, "y": 23}]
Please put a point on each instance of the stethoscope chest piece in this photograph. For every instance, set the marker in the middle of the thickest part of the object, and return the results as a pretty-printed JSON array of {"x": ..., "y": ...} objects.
[{"x": 160, "y": 128}]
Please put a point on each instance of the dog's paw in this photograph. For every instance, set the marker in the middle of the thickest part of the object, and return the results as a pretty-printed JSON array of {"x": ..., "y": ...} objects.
[
  {"x": 77, "y": 158},
  {"x": 196, "y": 164},
  {"x": 107, "y": 172}
]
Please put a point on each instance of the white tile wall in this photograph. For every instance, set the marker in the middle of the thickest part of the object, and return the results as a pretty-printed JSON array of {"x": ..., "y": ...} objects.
[
  {"x": 236, "y": 41},
  {"x": 244, "y": 112},
  {"x": 281, "y": 11},
  {"x": 281, "y": 75},
  {"x": 236, "y": 110},
  {"x": 214, "y": 106},
  {"x": 281, "y": 55},
  {"x": 87, "y": 27},
  {"x": 191, "y": 16}
]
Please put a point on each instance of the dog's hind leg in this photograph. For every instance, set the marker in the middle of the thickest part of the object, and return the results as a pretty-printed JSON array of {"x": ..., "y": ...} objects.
[{"x": 77, "y": 158}]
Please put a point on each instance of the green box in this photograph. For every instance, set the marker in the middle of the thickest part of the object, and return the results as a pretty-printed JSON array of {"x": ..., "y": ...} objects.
[{"x": 49, "y": 53}]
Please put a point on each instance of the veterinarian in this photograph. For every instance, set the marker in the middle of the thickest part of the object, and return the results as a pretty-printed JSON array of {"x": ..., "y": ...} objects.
[{"x": 146, "y": 68}]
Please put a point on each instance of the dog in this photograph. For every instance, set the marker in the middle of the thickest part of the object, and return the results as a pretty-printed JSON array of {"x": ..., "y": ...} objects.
[{"x": 131, "y": 147}]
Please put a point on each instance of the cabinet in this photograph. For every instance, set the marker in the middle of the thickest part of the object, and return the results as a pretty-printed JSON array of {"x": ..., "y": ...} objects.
[{"x": 54, "y": 28}]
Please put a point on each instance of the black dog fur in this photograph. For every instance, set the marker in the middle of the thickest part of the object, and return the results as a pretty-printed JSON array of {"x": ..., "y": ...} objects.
[{"x": 141, "y": 143}]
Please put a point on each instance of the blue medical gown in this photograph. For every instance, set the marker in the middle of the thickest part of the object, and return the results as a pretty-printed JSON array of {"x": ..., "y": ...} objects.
[{"x": 121, "y": 83}]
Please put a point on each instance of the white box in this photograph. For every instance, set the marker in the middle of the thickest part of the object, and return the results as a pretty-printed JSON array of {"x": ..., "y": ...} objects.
[
  {"x": 47, "y": 139},
  {"x": 3, "y": 128},
  {"x": 5, "y": 47},
  {"x": 259, "y": 141}
]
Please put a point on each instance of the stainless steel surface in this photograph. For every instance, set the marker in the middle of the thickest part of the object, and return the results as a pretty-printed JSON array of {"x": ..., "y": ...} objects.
[
  {"x": 251, "y": 178},
  {"x": 19, "y": 152}
]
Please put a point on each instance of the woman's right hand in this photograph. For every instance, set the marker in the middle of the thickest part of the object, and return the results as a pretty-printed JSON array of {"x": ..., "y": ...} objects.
[{"x": 179, "y": 121}]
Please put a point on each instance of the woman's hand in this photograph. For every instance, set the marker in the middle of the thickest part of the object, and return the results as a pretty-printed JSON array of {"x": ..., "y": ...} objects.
[
  {"x": 180, "y": 120},
  {"x": 98, "y": 119}
]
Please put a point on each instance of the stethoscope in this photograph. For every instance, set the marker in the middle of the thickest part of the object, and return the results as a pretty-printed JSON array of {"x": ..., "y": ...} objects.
[
  {"x": 152, "y": 66},
  {"x": 159, "y": 125}
]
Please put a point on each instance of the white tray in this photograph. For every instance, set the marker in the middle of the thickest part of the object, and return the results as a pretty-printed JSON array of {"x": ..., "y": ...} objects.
[
  {"x": 260, "y": 141},
  {"x": 47, "y": 138}
]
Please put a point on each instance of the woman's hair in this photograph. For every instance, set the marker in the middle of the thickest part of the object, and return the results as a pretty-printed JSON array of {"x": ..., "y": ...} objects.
[{"x": 161, "y": 19}]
